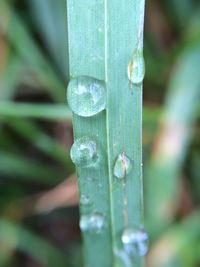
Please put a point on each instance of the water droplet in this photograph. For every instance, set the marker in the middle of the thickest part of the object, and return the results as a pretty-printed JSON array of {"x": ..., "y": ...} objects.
[
  {"x": 84, "y": 152},
  {"x": 136, "y": 68},
  {"x": 85, "y": 200},
  {"x": 86, "y": 96},
  {"x": 92, "y": 222},
  {"x": 100, "y": 185},
  {"x": 135, "y": 241},
  {"x": 91, "y": 179},
  {"x": 123, "y": 259},
  {"x": 122, "y": 166}
]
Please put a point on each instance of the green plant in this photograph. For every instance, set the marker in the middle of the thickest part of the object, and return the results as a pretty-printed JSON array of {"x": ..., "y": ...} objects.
[
  {"x": 35, "y": 135},
  {"x": 105, "y": 95},
  {"x": 174, "y": 138}
]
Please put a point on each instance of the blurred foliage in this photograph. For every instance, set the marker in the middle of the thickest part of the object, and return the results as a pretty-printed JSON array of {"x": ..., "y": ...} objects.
[{"x": 36, "y": 133}]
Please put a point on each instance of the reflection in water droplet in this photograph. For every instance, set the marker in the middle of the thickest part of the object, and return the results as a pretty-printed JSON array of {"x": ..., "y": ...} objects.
[
  {"x": 122, "y": 166},
  {"x": 93, "y": 222},
  {"x": 84, "y": 152},
  {"x": 86, "y": 96},
  {"x": 136, "y": 68},
  {"x": 135, "y": 241}
]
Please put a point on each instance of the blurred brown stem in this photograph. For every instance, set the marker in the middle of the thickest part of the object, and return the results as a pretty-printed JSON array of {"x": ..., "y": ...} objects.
[{"x": 63, "y": 195}]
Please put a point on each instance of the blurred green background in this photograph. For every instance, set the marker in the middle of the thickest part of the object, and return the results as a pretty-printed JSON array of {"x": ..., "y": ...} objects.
[{"x": 38, "y": 192}]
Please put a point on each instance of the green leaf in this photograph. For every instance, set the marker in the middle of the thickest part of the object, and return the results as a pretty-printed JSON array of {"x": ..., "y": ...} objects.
[
  {"x": 163, "y": 171},
  {"x": 13, "y": 236},
  {"x": 49, "y": 17},
  {"x": 21, "y": 40},
  {"x": 86, "y": 30},
  {"x": 40, "y": 111},
  {"x": 105, "y": 41},
  {"x": 124, "y": 112},
  {"x": 41, "y": 140},
  {"x": 10, "y": 77},
  {"x": 16, "y": 165},
  {"x": 178, "y": 238}
]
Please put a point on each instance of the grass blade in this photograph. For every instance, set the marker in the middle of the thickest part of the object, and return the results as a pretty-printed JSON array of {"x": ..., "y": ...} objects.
[
  {"x": 40, "y": 111},
  {"x": 124, "y": 114},
  {"x": 87, "y": 51},
  {"x": 16, "y": 32},
  {"x": 49, "y": 16},
  {"x": 162, "y": 174},
  {"x": 16, "y": 165},
  {"x": 42, "y": 141},
  {"x": 13, "y": 236},
  {"x": 174, "y": 241},
  {"x": 10, "y": 78},
  {"x": 102, "y": 48}
]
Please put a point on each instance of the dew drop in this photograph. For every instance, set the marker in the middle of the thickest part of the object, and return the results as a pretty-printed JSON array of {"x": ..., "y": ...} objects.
[
  {"x": 100, "y": 185},
  {"x": 136, "y": 68},
  {"x": 135, "y": 241},
  {"x": 93, "y": 222},
  {"x": 123, "y": 258},
  {"x": 84, "y": 152},
  {"x": 86, "y": 96},
  {"x": 85, "y": 200},
  {"x": 90, "y": 179},
  {"x": 122, "y": 166}
]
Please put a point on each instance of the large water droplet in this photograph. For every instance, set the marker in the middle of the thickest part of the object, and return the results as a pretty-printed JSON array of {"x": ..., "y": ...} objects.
[
  {"x": 122, "y": 166},
  {"x": 136, "y": 68},
  {"x": 84, "y": 152},
  {"x": 135, "y": 241},
  {"x": 93, "y": 222},
  {"x": 86, "y": 96}
]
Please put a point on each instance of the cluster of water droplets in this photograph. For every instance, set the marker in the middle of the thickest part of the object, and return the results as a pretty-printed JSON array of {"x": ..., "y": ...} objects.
[
  {"x": 122, "y": 166},
  {"x": 136, "y": 68},
  {"x": 86, "y": 96}
]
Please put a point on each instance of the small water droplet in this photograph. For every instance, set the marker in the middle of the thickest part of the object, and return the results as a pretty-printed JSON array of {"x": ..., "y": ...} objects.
[
  {"x": 123, "y": 258},
  {"x": 100, "y": 185},
  {"x": 85, "y": 200},
  {"x": 122, "y": 166},
  {"x": 90, "y": 179},
  {"x": 84, "y": 152},
  {"x": 92, "y": 222},
  {"x": 136, "y": 68},
  {"x": 100, "y": 29},
  {"x": 135, "y": 241},
  {"x": 86, "y": 96}
]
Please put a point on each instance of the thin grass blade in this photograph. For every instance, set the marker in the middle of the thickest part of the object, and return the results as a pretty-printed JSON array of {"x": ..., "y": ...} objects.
[{"x": 86, "y": 30}]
